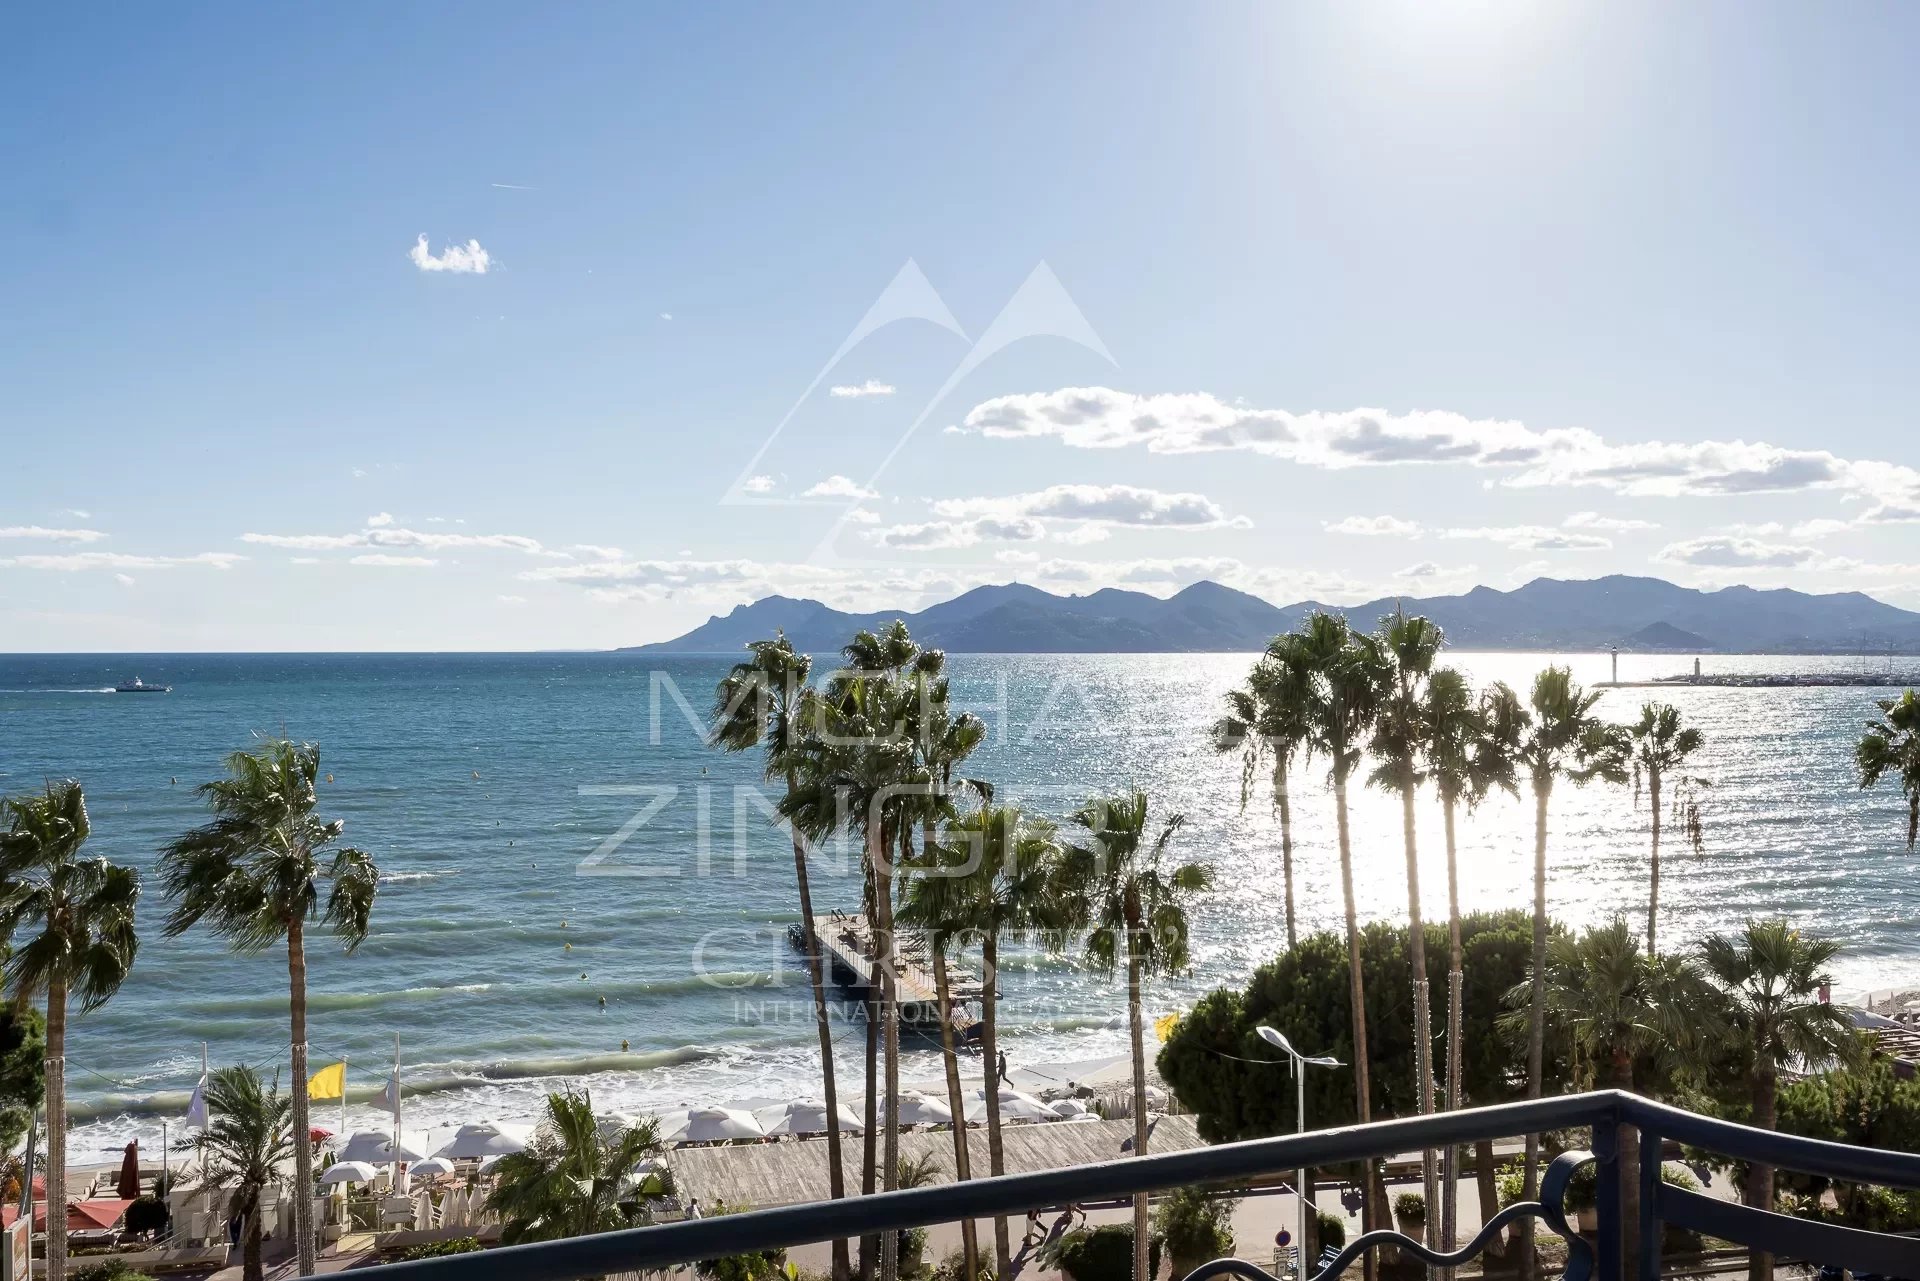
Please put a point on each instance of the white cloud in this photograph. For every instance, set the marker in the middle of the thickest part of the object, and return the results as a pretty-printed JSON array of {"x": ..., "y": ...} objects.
[
  {"x": 1534, "y": 538},
  {"x": 466, "y": 260},
  {"x": 306, "y": 560},
  {"x": 380, "y": 521},
  {"x": 596, "y": 551},
  {"x": 511, "y": 600},
  {"x": 837, "y": 486},
  {"x": 1615, "y": 524},
  {"x": 389, "y": 561},
  {"x": 1081, "y": 535},
  {"x": 1102, "y": 504},
  {"x": 41, "y": 532},
  {"x": 1102, "y": 418},
  {"x": 936, "y": 535},
  {"x": 1425, "y": 569},
  {"x": 1722, "y": 551},
  {"x": 759, "y": 484},
  {"x": 125, "y": 580},
  {"x": 862, "y": 516},
  {"x": 857, "y": 391},
  {"x": 394, "y": 538},
  {"x": 74, "y": 512},
  {"x": 81, "y": 562},
  {"x": 666, "y": 315},
  {"x": 1374, "y": 526}
]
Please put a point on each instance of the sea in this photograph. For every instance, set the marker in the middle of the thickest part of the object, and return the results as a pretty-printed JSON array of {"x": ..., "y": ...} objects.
[{"x": 576, "y": 890}]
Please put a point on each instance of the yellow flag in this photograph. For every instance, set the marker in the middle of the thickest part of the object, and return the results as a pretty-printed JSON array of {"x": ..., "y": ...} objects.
[
  {"x": 1164, "y": 1025},
  {"x": 328, "y": 1082}
]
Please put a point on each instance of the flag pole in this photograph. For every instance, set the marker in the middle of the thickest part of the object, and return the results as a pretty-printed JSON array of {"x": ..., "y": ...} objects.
[{"x": 343, "y": 1099}]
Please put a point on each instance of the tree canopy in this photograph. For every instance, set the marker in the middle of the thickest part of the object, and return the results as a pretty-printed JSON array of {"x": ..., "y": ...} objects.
[{"x": 1304, "y": 994}]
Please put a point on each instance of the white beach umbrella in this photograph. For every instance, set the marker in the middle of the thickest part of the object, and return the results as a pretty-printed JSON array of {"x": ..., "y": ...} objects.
[
  {"x": 673, "y": 1125},
  {"x": 714, "y": 1125},
  {"x": 422, "y": 1210},
  {"x": 349, "y": 1172},
  {"x": 430, "y": 1167},
  {"x": 485, "y": 1138},
  {"x": 487, "y": 1163},
  {"x": 806, "y": 1116},
  {"x": 453, "y": 1210},
  {"x": 1067, "y": 1109},
  {"x": 922, "y": 1109},
  {"x": 378, "y": 1147},
  {"x": 1013, "y": 1106}
]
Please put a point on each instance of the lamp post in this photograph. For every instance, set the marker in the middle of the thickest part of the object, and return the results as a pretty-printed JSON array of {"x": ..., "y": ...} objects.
[{"x": 1301, "y": 1062}]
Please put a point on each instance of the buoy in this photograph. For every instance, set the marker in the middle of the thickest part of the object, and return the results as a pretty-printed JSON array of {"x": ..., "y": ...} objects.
[
  {"x": 569, "y": 947},
  {"x": 623, "y": 1045}
]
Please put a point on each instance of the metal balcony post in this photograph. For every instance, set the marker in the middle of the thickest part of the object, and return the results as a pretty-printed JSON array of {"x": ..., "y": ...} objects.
[
  {"x": 1651, "y": 1228},
  {"x": 1606, "y": 1198}
]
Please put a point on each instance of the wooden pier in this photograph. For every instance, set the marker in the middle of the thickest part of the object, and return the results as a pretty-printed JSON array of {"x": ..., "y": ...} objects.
[{"x": 846, "y": 942}]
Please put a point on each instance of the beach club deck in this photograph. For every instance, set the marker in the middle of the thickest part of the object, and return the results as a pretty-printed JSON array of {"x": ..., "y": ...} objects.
[{"x": 763, "y": 1175}]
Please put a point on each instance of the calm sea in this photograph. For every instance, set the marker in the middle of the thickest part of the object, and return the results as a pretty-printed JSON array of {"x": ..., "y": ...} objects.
[{"x": 553, "y": 834}]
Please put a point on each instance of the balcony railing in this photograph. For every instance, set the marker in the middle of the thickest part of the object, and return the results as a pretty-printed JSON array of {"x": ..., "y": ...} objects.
[{"x": 1602, "y": 1113}]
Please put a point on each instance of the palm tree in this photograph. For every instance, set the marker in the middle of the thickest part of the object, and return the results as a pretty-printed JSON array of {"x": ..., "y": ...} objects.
[
  {"x": 255, "y": 874},
  {"x": 1769, "y": 975},
  {"x": 764, "y": 702},
  {"x": 1345, "y": 671},
  {"x": 1469, "y": 752},
  {"x": 862, "y": 774},
  {"x": 1892, "y": 746},
  {"x": 995, "y": 871},
  {"x": 71, "y": 920},
  {"x": 243, "y": 1149},
  {"x": 1613, "y": 1005},
  {"x": 1407, "y": 648},
  {"x": 1560, "y": 738},
  {"x": 1122, "y": 887},
  {"x": 575, "y": 1178},
  {"x": 1661, "y": 748},
  {"x": 1268, "y": 720}
]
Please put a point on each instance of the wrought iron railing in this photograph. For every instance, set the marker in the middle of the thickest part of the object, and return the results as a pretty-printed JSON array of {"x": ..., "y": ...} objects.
[{"x": 1602, "y": 1114}]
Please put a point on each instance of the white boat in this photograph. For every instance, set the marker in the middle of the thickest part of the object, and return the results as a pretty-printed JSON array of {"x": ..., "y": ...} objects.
[{"x": 138, "y": 686}]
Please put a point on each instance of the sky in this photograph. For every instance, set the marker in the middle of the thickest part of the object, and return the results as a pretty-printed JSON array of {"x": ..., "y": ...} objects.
[{"x": 502, "y": 327}]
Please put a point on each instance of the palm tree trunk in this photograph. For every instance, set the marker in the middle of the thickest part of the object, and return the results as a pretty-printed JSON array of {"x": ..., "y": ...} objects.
[
  {"x": 870, "y": 1142},
  {"x": 816, "y": 975},
  {"x": 1653, "y": 896},
  {"x": 251, "y": 1268},
  {"x": 1284, "y": 804},
  {"x": 302, "y": 1147},
  {"x": 1450, "y": 1193},
  {"x": 1628, "y": 1140},
  {"x": 1488, "y": 1187},
  {"x": 990, "y": 1054},
  {"x": 1537, "y": 1016},
  {"x": 1766, "y": 1087},
  {"x": 1357, "y": 997},
  {"x": 1422, "y": 1012},
  {"x": 890, "y": 1029},
  {"x": 56, "y": 1096},
  {"x": 1137, "y": 1042},
  {"x": 956, "y": 1100}
]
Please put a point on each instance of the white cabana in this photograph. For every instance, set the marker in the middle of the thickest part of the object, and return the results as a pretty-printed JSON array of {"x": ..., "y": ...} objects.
[
  {"x": 717, "y": 1125},
  {"x": 429, "y": 1167},
  {"x": 806, "y": 1116},
  {"x": 349, "y": 1172},
  {"x": 377, "y": 1146},
  {"x": 923, "y": 1109},
  {"x": 484, "y": 1139},
  {"x": 1013, "y": 1106}
]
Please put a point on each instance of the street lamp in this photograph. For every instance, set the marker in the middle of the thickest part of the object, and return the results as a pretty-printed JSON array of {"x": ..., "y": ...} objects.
[{"x": 1301, "y": 1062}]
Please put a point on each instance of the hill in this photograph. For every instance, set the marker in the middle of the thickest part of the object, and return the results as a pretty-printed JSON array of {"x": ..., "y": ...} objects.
[{"x": 1547, "y": 613}]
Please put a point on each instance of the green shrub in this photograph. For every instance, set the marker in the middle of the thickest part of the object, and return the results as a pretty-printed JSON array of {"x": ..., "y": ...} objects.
[
  {"x": 435, "y": 1249},
  {"x": 1581, "y": 1187},
  {"x": 107, "y": 1270},
  {"x": 1411, "y": 1206},
  {"x": 147, "y": 1214},
  {"x": 1333, "y": 1229},
  {"x": 954, "y": 1268},
  {"x": 1103, "y": 1254},
  {"x": 912, "y": 1251},
  {"x": 1195, "y": 1227},
  {"x": 755, "y": 1265}
]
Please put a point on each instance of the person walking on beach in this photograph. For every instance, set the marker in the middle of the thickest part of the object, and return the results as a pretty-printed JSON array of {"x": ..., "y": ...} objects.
[
  {"x": 693, "y": 1208},
  {"x": 1034, "y": 1224},
  {"x": 1000, "y": 1069}
]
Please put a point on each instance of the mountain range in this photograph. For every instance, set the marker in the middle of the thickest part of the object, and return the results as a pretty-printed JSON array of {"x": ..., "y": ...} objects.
[{"x": 1547, "y": 613}]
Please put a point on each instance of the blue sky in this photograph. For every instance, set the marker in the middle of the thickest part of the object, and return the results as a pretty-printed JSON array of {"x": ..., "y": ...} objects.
[{"x": 1392, "y": 299}]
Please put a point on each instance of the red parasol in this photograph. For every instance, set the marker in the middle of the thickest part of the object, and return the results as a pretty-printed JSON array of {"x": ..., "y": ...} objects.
[{"x": 129, "y": 1185}]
